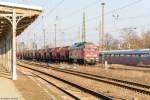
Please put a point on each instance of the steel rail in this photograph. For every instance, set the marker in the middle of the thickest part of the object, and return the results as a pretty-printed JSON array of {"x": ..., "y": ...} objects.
[
  {"x": 122, "y": 83},
  {"x": 85, "y": 89}
]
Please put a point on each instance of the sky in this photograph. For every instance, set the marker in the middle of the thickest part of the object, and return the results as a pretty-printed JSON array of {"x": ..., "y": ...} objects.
[{"x": 131, "y": 14}]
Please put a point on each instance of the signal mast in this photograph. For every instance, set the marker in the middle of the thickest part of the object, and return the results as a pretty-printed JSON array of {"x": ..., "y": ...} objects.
[{"x": 83, "y": 29}]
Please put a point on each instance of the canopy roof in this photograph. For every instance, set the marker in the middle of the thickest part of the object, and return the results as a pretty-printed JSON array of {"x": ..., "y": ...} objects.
[{"x": 25, "y": 15}]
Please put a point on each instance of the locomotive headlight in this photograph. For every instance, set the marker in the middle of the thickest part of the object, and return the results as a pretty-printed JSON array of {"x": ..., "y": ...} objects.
[
  {"x": 95, "y": 55},
  {"x": 87, "y": 55},
  {"x": 89, "y": 58}
]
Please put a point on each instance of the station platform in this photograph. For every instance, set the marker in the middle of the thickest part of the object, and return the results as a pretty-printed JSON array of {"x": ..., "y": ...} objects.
[
  {"x": 8, "y": 90},
  {"x": 24, "y": 88}
]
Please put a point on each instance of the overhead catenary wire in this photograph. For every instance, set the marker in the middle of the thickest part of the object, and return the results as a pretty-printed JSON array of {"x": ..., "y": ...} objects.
[
  {"x": 53, "y": 9},
  {"x": 120, "y": 19},
  {"x": 96, "y": 17},
  {"x": 80, "y": 9},
  {"x": 76, "y": 11},
  {"x": 114, "y": 10},
  {"x": 120, "y": 8},
  {"x": 125, "y": 6}
]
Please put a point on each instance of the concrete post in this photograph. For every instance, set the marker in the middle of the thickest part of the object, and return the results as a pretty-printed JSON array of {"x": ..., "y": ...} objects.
[
  {"x": 14, "y": 76},
  {"x": 106, "y": 65}
]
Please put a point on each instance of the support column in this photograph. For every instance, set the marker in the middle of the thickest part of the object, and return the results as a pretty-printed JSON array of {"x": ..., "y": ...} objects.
[
  {"x": 10, "y": 47},
  {"x": 9, "y": 54},
  {"x": 14, "y": 76}
]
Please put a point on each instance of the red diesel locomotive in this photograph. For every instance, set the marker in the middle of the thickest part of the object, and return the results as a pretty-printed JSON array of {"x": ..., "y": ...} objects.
[{"x": 84, "y": 53}]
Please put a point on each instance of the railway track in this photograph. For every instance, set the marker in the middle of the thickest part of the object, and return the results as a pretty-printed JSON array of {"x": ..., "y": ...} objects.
[
  {"x": 43, "y": 78},
  {"x": 97, "y": 77},
  {"x": 134, "y": 68},
  {"x": 63, "y": 90},
  {"x": 140, "y": 88},
  {"x": 82, "y": 88}
]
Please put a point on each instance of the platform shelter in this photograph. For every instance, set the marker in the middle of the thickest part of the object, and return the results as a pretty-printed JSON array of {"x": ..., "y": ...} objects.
[{"x": 14, "y": 19}]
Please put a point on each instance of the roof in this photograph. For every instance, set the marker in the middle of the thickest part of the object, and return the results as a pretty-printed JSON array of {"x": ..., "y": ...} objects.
[
  {"x": 141, "y": 51},
  {"x": 25, "y": 16},
  {"x": 8, "y": 4},
  {"x": 80, "y": 44}
]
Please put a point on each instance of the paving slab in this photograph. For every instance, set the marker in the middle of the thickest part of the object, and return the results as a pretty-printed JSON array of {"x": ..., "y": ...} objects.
[
  {"x": 24, "y": 88},
  {"x": 8, "y": 90},
  {"x": 29, "y": 88}
]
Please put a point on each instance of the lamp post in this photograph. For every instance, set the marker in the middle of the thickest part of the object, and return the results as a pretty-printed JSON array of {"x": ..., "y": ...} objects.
[
  {"x": 102, "y": 31},
  {"x": 102, "y": 24},
  {"x": 55, "y": 27}
]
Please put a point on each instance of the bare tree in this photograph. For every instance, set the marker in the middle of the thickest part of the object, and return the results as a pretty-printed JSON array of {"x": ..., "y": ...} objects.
[
  {"x": 110, "y": 42},
  {"x": 130, "y": 39},
  {"x": 146, "y": 39}
]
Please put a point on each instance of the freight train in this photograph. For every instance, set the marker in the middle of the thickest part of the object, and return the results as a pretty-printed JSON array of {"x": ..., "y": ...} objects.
[
  {"x": 127, "y": 57},
  {"x": 83, "y": 52}
]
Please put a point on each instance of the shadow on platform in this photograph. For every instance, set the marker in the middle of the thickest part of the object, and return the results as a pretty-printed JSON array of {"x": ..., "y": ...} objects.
[
  {"x": 25, "y": 74},
  {"x": 5, "y": 74}
]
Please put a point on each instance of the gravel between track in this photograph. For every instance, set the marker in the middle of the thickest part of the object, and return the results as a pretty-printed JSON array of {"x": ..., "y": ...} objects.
[
  {"x": 99, "y": 86},
  {"x": 130, "y": 75}
]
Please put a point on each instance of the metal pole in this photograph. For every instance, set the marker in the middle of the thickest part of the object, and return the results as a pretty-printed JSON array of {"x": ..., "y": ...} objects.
[
  {"x": 102, "y": 31},
  {"x": 44, "y": 37},
  {"x": 43, "y": 32},
  {"x": 83, "y": 29},
  {"x": 21, "y": 50},
  {"x": 102, "y": 24},
  {"x": 100, "y": 34},
  {"x": 79, "y": 35},
  {"x": 34, "y": 46},
  {"x": 14, "y": 75},
  {"x": 55, "y": 26},
  {"x": 49, "y": 38}
]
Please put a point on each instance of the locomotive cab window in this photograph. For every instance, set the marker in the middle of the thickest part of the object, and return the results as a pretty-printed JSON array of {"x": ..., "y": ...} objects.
[{"x": 90, "y": 49}]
